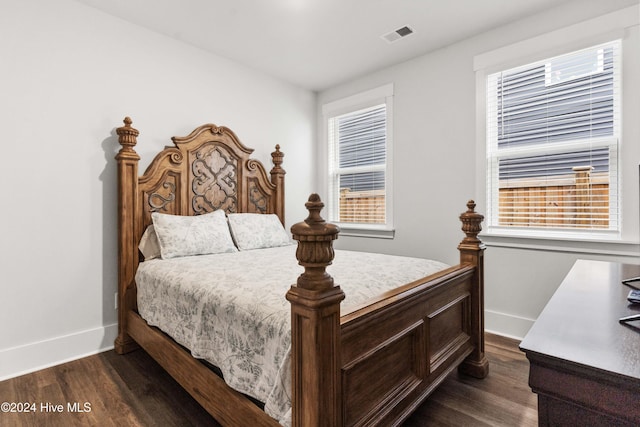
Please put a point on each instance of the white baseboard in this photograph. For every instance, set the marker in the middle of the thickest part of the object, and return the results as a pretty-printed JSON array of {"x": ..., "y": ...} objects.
[
  {"x": 506, "y": 325},
  {"x": 32, "y": 357}
]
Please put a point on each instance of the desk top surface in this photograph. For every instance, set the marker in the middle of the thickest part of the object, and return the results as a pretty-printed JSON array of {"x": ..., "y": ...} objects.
[{"x": 580, "y": 323}]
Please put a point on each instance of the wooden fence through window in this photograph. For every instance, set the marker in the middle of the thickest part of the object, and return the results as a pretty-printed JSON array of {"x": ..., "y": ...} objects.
[
  {"x": 580, "y": 200},
  {"x": 366, "y": 207},
  {"x": 576, "y": 201}
]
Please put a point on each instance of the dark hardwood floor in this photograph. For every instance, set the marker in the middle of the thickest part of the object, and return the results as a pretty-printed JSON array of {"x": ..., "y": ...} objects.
[
  {"x": 502, "y": 399},
  {"x": 133, "y": 390}
]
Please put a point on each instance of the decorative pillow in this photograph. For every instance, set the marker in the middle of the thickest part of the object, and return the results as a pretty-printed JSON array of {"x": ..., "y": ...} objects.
[
  {"x": 255, "y": 231},
  {"x": 149, "y": 245},
  {"x": 192, "y": 235}
]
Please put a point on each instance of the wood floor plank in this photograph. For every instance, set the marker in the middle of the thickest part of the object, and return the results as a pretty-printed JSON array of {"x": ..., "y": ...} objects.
[
  {"x": 133, "y": 390},
  {"x": 502, "y": 399}
]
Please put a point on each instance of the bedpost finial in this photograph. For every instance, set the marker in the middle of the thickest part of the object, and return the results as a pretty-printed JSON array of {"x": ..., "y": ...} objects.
[
  {"x": 471, "y": 224},
  {"x": 314, "y": 223},
  {"x": 277, "y": 157},
  {"x": 315, "y": 239},
  {"x": 314, "y": 206},
  {"x": 471, "y": 206},
  {"x": 127, "y": 136}
]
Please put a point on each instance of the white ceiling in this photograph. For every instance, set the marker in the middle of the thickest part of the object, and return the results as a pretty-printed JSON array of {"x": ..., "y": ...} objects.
[{"x": 317, "y": 44}]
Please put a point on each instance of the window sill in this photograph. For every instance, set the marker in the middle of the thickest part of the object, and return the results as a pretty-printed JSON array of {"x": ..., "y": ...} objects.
[
  {"x": 581, "y": 243},
  {"x": 363, "y": 231}
]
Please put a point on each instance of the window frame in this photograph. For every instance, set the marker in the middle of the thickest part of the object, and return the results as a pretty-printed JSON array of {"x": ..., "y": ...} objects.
[
  {"x": 377, "y": 96},
  {"x": 495, "y": 153},
  {"x": 621, "y": 24}
]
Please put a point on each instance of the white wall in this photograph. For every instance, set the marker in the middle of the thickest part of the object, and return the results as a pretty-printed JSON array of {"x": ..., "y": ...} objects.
[
  {"x": 435, "y": 166},
  {"x": 69, "y": 75}
]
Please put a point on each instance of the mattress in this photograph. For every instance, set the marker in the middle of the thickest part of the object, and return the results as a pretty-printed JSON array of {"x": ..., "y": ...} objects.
[{"x": 230, "y": 309}]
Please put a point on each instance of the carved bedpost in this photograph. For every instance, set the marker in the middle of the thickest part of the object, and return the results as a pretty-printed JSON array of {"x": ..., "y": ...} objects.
[
  {"x": 127, "y": 246},
  {"x": 277, "y": 179},
  {"x": 315, "y": 325},
  {"x": 472, "y": 252}
]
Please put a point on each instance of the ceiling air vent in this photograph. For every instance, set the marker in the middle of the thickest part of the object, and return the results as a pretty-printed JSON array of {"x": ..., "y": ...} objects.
[{"x": 397, "y": 34}]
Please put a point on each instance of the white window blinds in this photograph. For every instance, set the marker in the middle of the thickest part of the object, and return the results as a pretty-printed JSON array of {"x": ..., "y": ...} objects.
[
  {"x": 552, "y": 142},
  {"x": 357, "y": 144}
]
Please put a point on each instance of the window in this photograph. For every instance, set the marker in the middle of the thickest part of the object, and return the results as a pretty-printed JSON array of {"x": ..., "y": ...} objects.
[
  {"x": 358, "y": 160},
  {"x": 552, "y": 143}
]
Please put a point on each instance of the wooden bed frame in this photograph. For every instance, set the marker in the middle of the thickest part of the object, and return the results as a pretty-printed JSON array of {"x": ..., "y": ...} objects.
[{"x": 371, "y": 366}]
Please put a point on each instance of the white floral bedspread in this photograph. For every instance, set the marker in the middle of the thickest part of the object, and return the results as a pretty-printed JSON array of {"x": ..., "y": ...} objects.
[{"x": 230, "y": 309}]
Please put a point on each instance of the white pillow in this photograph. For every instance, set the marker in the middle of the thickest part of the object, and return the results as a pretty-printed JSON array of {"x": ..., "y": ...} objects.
[
  {"x": 255, "y": 231},
  {"x": 192, "y": 235},
  {"x": 149, "y": 245}
]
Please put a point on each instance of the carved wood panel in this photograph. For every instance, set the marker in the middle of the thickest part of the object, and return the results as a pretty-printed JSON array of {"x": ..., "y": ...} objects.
[
  {"x": 392, "y": 370},
  {"x": 163, "y": 196},
  {"x": 258, "y": 199},
  {"x": 449, "y": 328},
  {"x": 214, "y": 183}
]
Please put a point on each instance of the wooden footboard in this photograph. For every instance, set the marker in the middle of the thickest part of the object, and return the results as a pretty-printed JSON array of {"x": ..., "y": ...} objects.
[
  {"x": 376, "y": 364},
  {"x": 396, "y": 352}
]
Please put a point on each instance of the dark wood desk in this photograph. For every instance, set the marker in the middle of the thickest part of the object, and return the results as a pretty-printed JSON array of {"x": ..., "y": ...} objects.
[{"x": 584, "y": 364}]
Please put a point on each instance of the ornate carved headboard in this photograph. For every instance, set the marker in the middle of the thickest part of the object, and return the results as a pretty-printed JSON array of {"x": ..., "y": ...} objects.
[{"x": 207, "y": 170}]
